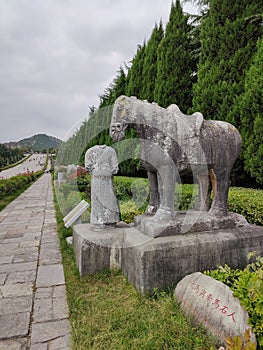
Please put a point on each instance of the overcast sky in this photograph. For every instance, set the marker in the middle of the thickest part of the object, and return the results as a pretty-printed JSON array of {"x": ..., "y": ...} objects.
[{"x": 57, "y": 56}]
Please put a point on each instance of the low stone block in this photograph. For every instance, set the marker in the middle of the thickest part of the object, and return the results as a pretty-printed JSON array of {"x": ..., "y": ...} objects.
[
  {"x": 163, "y": 261},
  {"x": 14, "y": 325},
  {"x": 18, "y": 267},
  {"x": 15, "y": 305},
  {"x": 18, "y": 344},
  {"x": 21, "y": 277},
  {"x": 42, "y": 310},
  {"x": 212, "y": 304},
  {"x": 190, "y": 221},
  {"x": 50, "y": 275},
  {"x": 16, "y": 290},
  {"x": 2, "y": 278},
  {"x": 96, "y": 249},
  {"x": 46, "y": 331}
]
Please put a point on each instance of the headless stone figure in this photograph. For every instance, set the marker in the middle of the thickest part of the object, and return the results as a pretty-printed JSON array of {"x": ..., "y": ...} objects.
[{"x": 102, "y": 163}]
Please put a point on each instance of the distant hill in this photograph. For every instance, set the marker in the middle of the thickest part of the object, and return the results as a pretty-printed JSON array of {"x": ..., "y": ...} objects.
[{"x": 37, "y": 142}]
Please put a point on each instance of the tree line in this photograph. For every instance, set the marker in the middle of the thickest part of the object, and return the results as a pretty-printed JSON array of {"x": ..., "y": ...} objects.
[
  {"x": 9, "y": 155},
  {"x": 211, "y": 62}
]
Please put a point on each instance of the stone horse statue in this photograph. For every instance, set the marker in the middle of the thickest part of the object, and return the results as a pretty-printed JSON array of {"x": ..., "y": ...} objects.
[{"x": 172, "y": 144}]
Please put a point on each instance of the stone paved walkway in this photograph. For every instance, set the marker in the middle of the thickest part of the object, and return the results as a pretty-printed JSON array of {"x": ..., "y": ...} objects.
[{"x": 33, "y": 304}]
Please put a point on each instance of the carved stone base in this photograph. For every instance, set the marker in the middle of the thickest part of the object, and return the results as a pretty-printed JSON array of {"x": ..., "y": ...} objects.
[
  {"x": 187, "y": 222},
  {"x": 162, "y": 262}
]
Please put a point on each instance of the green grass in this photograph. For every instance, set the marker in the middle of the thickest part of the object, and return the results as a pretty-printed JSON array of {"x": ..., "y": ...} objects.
[{"x": 107, "y": 312}]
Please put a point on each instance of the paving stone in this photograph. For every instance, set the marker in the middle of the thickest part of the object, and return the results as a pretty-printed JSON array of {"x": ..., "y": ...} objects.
[
  {"x": 33, "y": 243},
  {"x": 59, "y": 292},
  {"x": 26, "y": 257},
  {"x": 60, "y": 309},
  {"x": 18, "y": 267},
  {"x": 18, "y": 344},
  {"x": 49, "y": 255},
  {"x": 6, "y": 248},
  {"x": 46, "y": 331},
  {"x": 24, "y": 223},
  {"x": 49, "y": 237},
  {"x": 50, "y": 275},
  {"x": 43, "y": 310},
  {"x": 39, "y": 346},
  {"x": 2, "y": 278},
  {"x": 15, "y": 305},
  {"x": 16, "y": 290},
  {"x": 6, "y": 259},
  {"x": 43, "y": 293},
  {"x": 14, "y": 325},
  {"x": 34, "y": 228},
  {"x": 30, "y": 236},
  {"x": 61, "y": 343},
  {"x": 21, "y": 277}
]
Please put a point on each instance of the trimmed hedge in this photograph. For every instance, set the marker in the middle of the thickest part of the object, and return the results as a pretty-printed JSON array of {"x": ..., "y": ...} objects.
[
  {"x": 248, "y": 202},
  {"x": 8, "y": 186},
  {"x": 245, "y": 201}
]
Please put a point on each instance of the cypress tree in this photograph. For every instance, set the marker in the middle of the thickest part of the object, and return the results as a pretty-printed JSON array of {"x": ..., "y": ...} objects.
[
  {"x": 149, "y": 72},
  {"x": 134, "y": 77},
  {"x": 228, "y": 37},
  {"x": 249, "y": 107},
  {"x": 176, "y": 63}
]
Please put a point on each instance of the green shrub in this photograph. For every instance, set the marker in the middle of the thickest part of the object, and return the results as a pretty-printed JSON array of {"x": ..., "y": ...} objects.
[
  {"x": 247, "y": 286},
  {"x": 129, "y": 210},
  {"x": 122, "y": 187},
  {"x": 8, "y": 186},
  {"x": 248, "y": 202}
]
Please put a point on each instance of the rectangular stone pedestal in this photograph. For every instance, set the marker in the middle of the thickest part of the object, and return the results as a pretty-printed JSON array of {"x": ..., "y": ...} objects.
[{"x": 162, "y": 262}]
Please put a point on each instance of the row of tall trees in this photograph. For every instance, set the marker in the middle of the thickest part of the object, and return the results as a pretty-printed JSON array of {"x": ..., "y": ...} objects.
[
  {"x": 9, "y": 155},
  {"x": 210, "y": 63}
]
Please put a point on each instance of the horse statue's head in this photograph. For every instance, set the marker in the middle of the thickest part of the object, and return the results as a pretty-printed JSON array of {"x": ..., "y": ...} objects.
[{"x": 121, "y": 117}]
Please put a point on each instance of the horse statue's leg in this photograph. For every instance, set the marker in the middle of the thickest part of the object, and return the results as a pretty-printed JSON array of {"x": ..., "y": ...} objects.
[
  {"x": 154, "y": 194},
  {"x": 166, "y": 183},
  {"x": 219, "y": 204},
  {"x": 204, "y": 192}
]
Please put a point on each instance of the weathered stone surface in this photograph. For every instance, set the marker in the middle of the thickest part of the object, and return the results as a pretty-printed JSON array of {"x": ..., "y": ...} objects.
[
  {"x": 50, "y": 275},
  {"x": 211, "y": 303},
  {"x": 49, "y": 254},
  {"x": 18, "y": 267},
  {"x": 18, "y": 344},
  {"x": 21, "y": 277},
  {"x": 14, "y": 325},
  {"x": 16, "y": 290},
  {"x": 15, "y": 305},
  {"x": 46, "y": 331},
  {"x": 162, "y": 262},
  {"x": 42, "y": 310},
  {"x": 102, "y": 163},
  {"x": 6, "y": 259},
  {"x": 44, "y": 293},
  {"x": 173, "y": 144},
  {"x": 5, "y": 249},
  {"x": 96, "y": 249},
  {"x": 60, "y": 343},
  {"x": 26, "y": 256},
  {"x": 190, "y": 221},
  {"x": 39, "y": 346},
  {"x": 23, "y": 224},
  {"x": 2, "y": 278}
]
